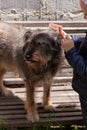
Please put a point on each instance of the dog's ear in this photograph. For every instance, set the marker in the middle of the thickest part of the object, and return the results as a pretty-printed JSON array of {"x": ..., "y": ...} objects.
[
  {"x": 59, "y": 38},
  {"x": 27, "y": 35}
]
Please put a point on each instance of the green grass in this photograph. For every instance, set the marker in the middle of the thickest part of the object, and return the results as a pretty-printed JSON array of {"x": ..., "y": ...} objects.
[
  {"x": 49, "y": 127},
  {"x": 1, "y": 122},
  {"x": 1, "y": 128},
  {"x": 61, "y": 127}
]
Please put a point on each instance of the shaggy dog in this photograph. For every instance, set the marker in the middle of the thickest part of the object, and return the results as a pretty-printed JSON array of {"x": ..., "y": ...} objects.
[{"x": 34, "y": 54}]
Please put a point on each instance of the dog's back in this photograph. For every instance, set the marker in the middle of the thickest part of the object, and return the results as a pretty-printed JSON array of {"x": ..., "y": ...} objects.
[
  {"x": 12, "y": 29},
  {"x": 10, "y": 36}
]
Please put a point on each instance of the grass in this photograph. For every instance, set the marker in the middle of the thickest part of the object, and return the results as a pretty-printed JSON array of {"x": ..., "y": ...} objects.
[
  {"x": 61, "y": 127},
  {"x": 48, "y": 128},
  {"x": 1, "y": 128},
  {"x": 1, "y": 121}
]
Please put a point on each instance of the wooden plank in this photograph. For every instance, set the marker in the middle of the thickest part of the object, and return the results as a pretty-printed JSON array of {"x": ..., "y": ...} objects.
[
  {"x": 43, "y": 122},
  {"x": 69, "y": 30},
  {"x": 46, "y": 23},
  {"x": 10, "y": 81},
  {"x": 20, "y": 81},
  {"x": 68, "y": 111},
  {"x": 48, "y": 115},
  {"x": 69, "y": 27}
]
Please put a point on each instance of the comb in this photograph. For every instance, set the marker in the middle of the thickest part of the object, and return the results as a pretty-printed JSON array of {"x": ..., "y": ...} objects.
[{"x": 57, "y": 28}]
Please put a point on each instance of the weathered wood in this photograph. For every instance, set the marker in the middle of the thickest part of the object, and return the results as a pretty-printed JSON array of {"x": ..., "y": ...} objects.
[
  {"x": 70, "y": 30},
  {"x": 46, "y": 23},
  {"x": 74, "y": 27},
  {"x": 66, "y": 101},
  {"x": 20, "y": 81}
]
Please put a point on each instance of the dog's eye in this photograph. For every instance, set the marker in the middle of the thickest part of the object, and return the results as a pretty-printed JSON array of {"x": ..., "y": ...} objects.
[{"x": 39, "y": 44}]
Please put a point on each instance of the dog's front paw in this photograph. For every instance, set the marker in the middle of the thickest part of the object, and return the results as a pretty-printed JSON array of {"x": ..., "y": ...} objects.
[
  {"x": 7, "y": 92},
  {"x": 49, "y": 107},
  {"x": 33, "y": 117}
]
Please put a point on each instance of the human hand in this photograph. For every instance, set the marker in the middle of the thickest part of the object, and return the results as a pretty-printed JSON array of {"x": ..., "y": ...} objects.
[{"x": 67, "y": 43}]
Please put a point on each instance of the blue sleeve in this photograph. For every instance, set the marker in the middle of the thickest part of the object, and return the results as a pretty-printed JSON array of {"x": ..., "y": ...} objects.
[{"x": 76, "y": 61}]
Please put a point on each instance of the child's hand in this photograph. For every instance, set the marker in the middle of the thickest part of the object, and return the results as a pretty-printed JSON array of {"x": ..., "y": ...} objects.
[{"x": 67, "y": 43}]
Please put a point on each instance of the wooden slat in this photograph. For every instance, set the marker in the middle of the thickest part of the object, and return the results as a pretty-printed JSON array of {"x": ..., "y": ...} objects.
[
  {"x": 74, "y": 27},
  {"x": 46, "y": 23},
  {"x": 20, "y": 81},
  {"x": 68, "y": 111}
]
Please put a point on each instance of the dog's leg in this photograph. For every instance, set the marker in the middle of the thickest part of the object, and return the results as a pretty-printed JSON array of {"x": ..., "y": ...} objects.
[
  {"x": 3, "y": 90},
  {"x": 46, "y": 97},
  {"x": 30, "y": 106}
]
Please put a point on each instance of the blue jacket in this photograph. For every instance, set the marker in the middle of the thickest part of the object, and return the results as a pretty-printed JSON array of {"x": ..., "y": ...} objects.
[{"x": 77, "y": 58}]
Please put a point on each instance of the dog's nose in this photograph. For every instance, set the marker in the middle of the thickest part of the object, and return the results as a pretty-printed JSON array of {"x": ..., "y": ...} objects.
[{"x": 28, "y": 56}]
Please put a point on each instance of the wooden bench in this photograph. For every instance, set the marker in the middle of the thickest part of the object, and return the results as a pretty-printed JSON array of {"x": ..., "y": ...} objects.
[{"x": 66, "y": 101}]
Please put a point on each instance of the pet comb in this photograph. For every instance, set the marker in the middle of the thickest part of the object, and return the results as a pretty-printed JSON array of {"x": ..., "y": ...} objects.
[{"x": 57, "y": 28}]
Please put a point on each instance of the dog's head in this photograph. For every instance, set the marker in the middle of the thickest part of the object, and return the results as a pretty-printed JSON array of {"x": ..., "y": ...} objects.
[{"x": 40, "y": 48}]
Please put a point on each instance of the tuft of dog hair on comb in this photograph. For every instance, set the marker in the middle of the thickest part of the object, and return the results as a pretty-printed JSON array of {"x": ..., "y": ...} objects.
[{"x": 57, "y": 28}]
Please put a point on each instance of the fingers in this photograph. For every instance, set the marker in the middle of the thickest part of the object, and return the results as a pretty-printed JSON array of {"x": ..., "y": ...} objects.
[
  {"x": 66, "y": 38},
  {"x": 67, "y": 43}
]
